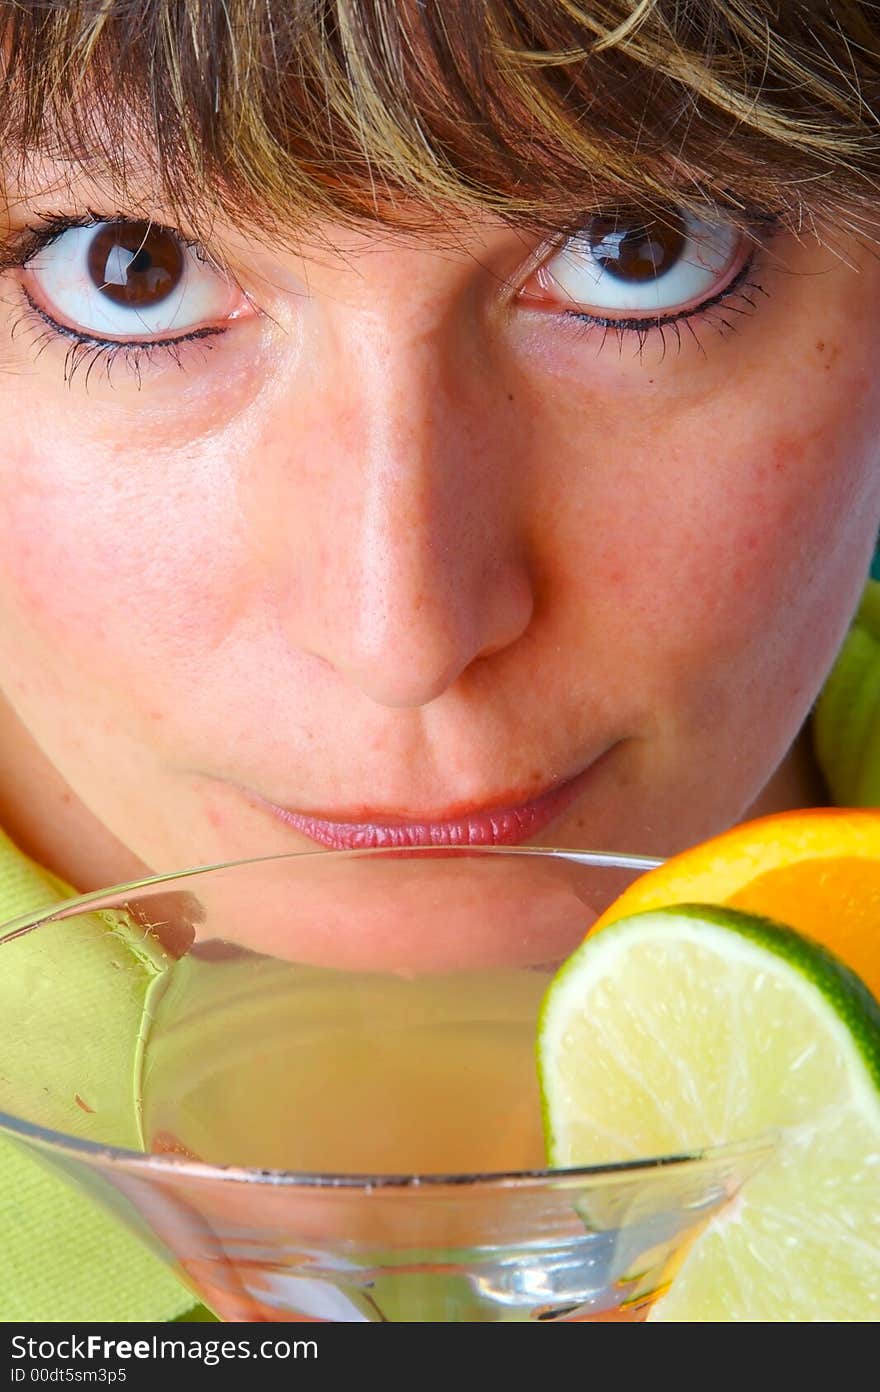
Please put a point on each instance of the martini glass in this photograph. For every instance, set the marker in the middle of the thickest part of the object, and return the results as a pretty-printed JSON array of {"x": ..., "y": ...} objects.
[{"x": 308, "y": 1082}]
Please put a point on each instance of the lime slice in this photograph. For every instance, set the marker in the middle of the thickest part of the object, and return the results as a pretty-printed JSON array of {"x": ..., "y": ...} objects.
[{"x": 695, "y": 1026}]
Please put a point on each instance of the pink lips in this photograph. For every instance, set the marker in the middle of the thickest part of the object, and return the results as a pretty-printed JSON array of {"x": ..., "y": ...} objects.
[{"x": 491, "y": 826}]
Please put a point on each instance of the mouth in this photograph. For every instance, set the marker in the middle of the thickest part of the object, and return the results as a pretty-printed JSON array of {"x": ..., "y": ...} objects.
[{"x": 503, "y": 823}]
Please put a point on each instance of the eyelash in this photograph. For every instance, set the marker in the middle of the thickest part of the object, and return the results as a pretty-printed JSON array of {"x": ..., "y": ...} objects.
[
  {"x": 660, "y": 325},
  {"x": 86, "y": 352}
]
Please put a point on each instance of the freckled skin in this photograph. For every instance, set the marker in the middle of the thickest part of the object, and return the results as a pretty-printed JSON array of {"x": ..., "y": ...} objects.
[{"x": 405, "y": 544}]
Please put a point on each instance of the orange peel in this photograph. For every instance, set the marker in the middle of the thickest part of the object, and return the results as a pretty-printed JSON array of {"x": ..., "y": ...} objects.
[{"x": 816, "y": 870}]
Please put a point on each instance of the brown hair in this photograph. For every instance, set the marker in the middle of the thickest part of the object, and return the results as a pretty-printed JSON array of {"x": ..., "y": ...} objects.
[{"x": 535, "y": 110}]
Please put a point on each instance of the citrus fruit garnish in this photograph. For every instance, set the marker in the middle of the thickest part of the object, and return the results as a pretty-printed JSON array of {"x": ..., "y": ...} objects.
[
  {"x": 680, "y": 1029},
  {"x": 817, "y": 871}
]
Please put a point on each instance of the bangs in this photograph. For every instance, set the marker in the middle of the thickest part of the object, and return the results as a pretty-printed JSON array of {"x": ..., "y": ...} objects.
[{"x": 417, "y": 112}]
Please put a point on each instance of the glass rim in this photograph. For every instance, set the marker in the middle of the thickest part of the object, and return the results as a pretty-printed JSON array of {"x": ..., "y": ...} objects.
[
  {"x": 169, "y": 1166},
  {"x": 94, "y": 899},
  {"x": 175, "y": 1165}
]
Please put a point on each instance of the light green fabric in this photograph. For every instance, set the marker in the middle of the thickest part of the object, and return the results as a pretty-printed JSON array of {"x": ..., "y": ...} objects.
[
  {"x": 64, "y": 1261},
  {"x": 846, "y": 721},
  {"x": 61, "y": 1259}
]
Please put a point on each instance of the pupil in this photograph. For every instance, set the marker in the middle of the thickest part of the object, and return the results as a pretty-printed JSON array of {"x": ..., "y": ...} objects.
[
  {"x": 631, "y": 248},
  {"x": 135, "y": 264}
]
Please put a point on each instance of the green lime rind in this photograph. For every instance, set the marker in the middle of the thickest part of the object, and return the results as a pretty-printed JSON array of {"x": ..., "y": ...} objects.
[
  {"x": 678, "y": 1030},
  {"x": 856, "y": 1006},
  {"x": 841, "y": 990}
]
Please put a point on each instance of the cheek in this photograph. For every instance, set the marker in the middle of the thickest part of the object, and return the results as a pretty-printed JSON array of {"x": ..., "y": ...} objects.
[
  {"x": 122, "y": 564},
  {"x": 713, "y": 556},
  {"x": 782, "y": 536},
  {"x": 119, "y": 511}
]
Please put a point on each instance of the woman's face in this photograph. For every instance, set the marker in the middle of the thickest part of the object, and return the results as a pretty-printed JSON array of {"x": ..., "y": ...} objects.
[{"x": 408, "y": 545}]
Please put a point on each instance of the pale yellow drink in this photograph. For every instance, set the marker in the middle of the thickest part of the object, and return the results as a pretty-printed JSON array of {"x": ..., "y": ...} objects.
[{"x": 258, "y": 1062}]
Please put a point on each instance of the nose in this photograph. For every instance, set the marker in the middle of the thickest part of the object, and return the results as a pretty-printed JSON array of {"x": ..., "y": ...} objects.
[{"x": 416, "y": 569}]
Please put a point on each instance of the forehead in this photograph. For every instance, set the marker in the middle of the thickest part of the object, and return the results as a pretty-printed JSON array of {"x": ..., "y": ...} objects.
[
  {"x": 337, "y": 122},
  {"x": 376, "y": 113}
]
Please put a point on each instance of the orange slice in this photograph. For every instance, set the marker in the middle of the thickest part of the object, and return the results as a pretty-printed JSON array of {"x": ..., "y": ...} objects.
[{"x": 817, "y": 871}]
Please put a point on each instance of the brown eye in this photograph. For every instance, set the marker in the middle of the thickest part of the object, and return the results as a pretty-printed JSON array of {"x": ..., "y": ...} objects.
[
  {"x": 628, "y": 264},
  {"x": 635, "y": 248},
  {"x": 131, "y": 281},
  {"x": 135, "y": 264}
]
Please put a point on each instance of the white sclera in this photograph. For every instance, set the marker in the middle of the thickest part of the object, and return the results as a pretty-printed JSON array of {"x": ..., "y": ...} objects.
[
  {"x": 708, "y": 252},
  {"x": 70, "y": 295}
]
